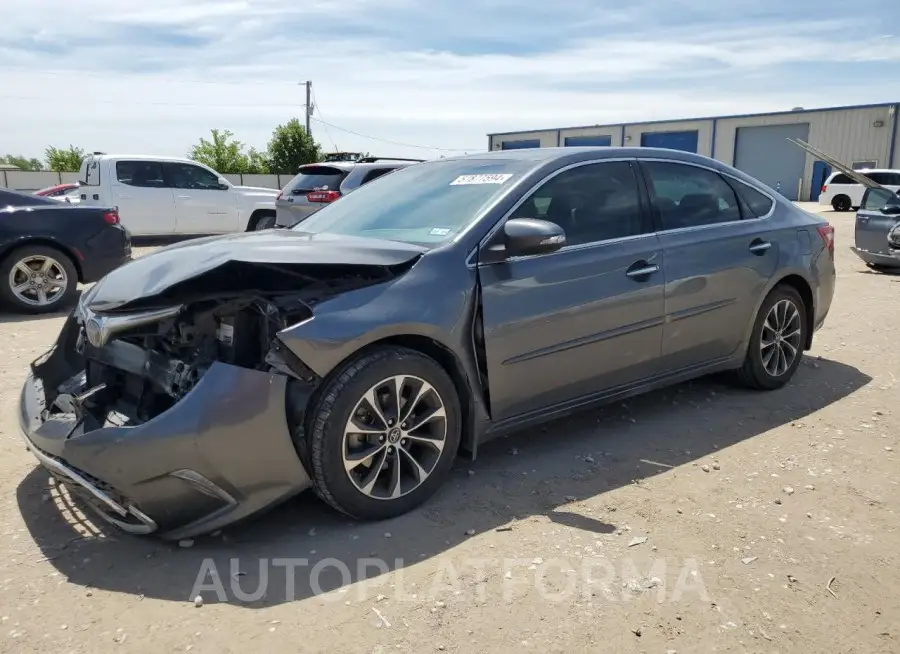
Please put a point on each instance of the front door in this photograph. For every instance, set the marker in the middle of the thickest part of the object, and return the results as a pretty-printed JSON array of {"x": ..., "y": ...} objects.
[
  {"x": 201, "y": 206},
  {"x": 563, "y": 327},
  {"x": 139, "y": 191},
  {"x": 718, "y": 260}
]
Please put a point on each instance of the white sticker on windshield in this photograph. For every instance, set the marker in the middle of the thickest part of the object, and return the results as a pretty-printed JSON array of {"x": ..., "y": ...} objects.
[
  {"x": 439, "y": 231},
  {"x": 495, "y": 178}
]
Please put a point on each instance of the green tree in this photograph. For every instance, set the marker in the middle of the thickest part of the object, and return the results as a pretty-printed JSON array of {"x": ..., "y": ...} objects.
[
  {"x": 222, "y": 153},
  {"x": 257, "y": 162},
  {"x": 23, "y": 163},
  {"x": 64, "y": 161},
  {"x": 291, "y": 147}
]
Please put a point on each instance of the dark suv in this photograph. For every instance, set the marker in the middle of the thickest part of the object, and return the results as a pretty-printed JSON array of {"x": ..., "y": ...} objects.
[{"x": 319, "y": 184}]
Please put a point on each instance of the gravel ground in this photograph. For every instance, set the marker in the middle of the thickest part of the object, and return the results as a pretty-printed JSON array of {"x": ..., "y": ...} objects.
[{"x": 699, "y": 518}]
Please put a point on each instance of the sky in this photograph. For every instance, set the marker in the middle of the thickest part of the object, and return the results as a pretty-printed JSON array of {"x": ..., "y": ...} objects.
[{"x": 420, "y": 78}]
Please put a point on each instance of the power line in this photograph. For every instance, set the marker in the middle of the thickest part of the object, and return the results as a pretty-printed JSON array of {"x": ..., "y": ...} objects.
[
  {"x": 315, "y": 102},
  {"x": 405, "y": 145}
]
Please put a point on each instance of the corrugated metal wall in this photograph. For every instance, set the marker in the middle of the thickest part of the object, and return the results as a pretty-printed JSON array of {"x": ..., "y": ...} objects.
[{"x": 846, "y": 134}]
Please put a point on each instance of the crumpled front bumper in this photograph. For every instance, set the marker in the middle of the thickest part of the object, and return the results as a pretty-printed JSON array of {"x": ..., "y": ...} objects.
[{"x": 224, "y": 452}]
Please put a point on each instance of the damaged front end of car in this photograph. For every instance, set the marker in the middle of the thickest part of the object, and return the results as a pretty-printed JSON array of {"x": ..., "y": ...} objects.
[{"x": 181, "y": 412}]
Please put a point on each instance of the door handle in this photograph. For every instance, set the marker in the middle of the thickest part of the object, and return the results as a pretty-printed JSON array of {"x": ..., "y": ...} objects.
[
  {"x": 291, "y": 200},
  {"x": 863, "y": 219},
  {"x": 642, "y": 269},
  {"x": 759, "y": 247}
]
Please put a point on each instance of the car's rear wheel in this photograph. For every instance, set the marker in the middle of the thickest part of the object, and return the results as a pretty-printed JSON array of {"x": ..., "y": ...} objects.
[
  {"x": 37, "y": 279},
  {"x": 384, "y": 434},
  {"x": 777, "y": 341},
  {"x": 841, "y": 203}
]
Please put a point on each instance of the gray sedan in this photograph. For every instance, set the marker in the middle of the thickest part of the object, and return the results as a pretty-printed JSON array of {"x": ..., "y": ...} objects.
[{"x": 415, "y": 319}]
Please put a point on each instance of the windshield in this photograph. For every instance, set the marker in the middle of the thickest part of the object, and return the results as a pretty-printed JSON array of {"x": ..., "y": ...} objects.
[{"x": 426, "y": 204}]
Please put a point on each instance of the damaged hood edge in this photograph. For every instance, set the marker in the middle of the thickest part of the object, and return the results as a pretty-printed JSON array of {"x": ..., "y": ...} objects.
[{"x": 158, "y": 271}]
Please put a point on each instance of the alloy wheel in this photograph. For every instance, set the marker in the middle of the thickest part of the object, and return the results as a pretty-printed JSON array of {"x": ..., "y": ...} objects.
[
  {"x": 394, "y": 437},
  {"x": 38, "y": 280},
  {"x": 780, "y": 338}
]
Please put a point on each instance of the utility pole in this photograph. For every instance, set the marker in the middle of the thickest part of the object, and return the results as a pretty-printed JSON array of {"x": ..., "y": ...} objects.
[{"x": 309, "y": 107}]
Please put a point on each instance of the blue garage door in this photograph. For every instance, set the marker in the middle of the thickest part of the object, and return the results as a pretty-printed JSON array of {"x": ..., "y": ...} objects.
[
  {"x": 520, "y": 145},
  {"x": 576, "y": 141},
  {"x": 686, "y": 141},
  {"x": 765, "y": 153}
]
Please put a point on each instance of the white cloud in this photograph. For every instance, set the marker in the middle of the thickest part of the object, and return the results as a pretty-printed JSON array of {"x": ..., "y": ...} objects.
[{"x": 107, "y": 76}]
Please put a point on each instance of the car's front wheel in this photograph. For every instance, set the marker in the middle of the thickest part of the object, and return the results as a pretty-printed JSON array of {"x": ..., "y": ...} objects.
[
  {"x": 777, "y": 341},
  {"x": 384, "y": 433}
]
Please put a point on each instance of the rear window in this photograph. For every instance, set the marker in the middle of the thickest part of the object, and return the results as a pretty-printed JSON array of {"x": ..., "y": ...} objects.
[
  {"x": 10, "y": 198},
  {"x": 90, "y": 172},
  {"x": 311, "y": 178},
  {"x": 425, "y": 204}
]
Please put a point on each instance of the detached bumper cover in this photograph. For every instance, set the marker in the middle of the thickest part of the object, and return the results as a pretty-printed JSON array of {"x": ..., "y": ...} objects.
[{"x": 222, "y": 453}]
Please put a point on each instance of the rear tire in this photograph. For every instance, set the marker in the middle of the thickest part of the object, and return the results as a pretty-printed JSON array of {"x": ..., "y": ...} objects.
[
  {"x": 841, "y": 203},
  {"x": 776, "y": 342},
  {"x": 377, "y": 463},
  {"x": 37, "y": 279}
]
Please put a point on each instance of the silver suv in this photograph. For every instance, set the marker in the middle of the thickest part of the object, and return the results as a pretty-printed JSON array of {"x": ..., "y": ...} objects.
[{"x": 319, "y": 184}]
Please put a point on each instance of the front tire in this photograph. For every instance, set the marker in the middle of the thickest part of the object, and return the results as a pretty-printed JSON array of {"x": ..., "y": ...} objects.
[
  {"x": 777, "y": 341},
  {"x": 36, "y": 279},
  {"x": 263, "y": 221},
  {"x": 384, "y": 433}
]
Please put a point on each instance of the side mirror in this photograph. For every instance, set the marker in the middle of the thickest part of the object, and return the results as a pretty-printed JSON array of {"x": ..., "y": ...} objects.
[
  {"x": 528, "y": 236},
  {"x": 223, "y": 184},
  {"x": 892, "y": 209}
]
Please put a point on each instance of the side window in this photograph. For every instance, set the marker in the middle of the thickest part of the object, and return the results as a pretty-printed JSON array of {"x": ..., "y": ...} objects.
[
  {"x": 595, "y": 202},
  {"x": 758, "y": 203},
  {"x": 187, "y": 176},
  {"x": 146, "y": 174},
  {"x": 375, "y": 174},
  {"x": 688, "y": 196},
  {"x": 876, "y": 198},
  {"x": 842, "y": 179},
  {"x": 879, "y": 178},
  {"x": 893, "y": 179}
]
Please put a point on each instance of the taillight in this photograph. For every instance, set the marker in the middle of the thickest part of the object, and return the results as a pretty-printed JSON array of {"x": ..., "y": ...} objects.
[
  {"x": 826, "y": 231},
  {"x": 323, "y": 196},
  {"x": 824, "y": 188},
  {"x": 111, "y": 217}
]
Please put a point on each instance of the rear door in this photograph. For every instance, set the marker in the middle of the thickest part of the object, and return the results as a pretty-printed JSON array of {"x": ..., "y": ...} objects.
[
  {"x": 563, "y": 327},
  {"x": 294, "y": 205},
  {"x": 201, "y": 205},
  {"x": 872, "y": 226},
  {"x": 139, "y": 190},
  {"x": 717, "y": 263}
]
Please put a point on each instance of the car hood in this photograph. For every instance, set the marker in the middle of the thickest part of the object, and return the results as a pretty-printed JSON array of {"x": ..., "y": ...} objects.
[{"x": 256, "y": 262}]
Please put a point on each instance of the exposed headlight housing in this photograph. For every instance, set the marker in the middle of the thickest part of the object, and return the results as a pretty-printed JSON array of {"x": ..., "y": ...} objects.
[
  {"x": 894, "y": 236},
  {"x": 100, "y": 328}
]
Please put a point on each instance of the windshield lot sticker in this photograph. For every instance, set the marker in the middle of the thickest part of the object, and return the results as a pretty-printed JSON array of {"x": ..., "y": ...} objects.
[
  {"x": 439, "y": 231},
  {"x": 496, "y": 178}
]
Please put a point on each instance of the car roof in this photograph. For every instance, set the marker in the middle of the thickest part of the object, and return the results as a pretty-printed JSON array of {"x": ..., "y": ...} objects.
[
  {"x": 143, "y": 157},
  {"x": 868, "y": 170}
]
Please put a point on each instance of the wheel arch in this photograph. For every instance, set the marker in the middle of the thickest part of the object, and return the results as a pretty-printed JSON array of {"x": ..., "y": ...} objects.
[
  {"x": 8, "y": 248},
  {"x": 257, "y": 215}
]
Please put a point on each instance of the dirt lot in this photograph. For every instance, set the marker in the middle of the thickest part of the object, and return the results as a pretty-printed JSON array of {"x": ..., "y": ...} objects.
[{"x": 769, "y": 521}]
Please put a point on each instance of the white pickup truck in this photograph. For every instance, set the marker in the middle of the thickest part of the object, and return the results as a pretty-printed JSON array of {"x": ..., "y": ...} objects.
[{"x": 165, "y": 195}]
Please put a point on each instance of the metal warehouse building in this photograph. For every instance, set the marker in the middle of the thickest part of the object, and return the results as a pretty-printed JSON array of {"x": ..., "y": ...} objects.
[{"x": 865, "y": 136}]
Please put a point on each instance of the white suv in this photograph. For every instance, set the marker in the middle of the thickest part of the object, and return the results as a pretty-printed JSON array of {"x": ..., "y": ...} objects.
[{"x": 843, "y": 194}]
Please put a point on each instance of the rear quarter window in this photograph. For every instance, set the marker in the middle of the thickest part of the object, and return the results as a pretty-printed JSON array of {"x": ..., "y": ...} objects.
[
  {"x": 759, "y": 203},
  {"x": 841, "y": 178}
]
